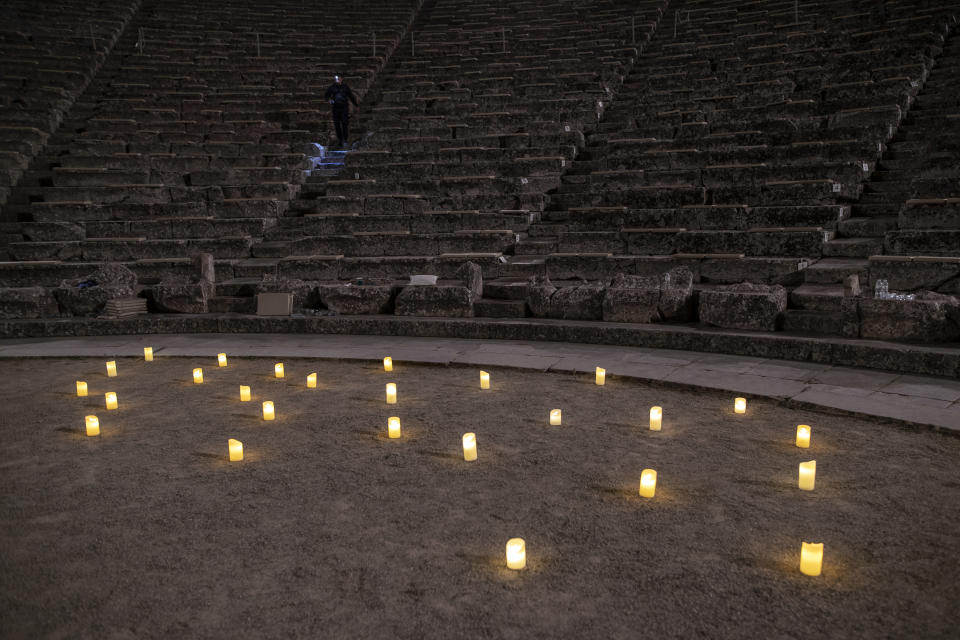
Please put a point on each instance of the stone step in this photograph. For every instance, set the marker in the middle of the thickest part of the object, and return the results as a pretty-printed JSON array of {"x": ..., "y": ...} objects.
[
  {"x": 892, "y": 187},
  {"x": 817, "y": 297},
  {"x": 418, "y": 223},
  {"x": 174, "y": 163},
  {"x": 827, "y": 216},
  {"x": 397, "y": 171},
  {"x": 815, "y": 322},
  {"x": 241, "y": 287},
  {"x": 394, "y": 267},
  {"x": 536, "y": 246},
  {"x": 909, "y": 273},
  {"x": 883, "y": 209},
  {"x": 129, "y": 249},
  {"x": 800, "y": 242},
  {"x": 158, "y": 194},
  {"x": 505, "y": 289},
  {"x": 853, "y": 247},
  {"x": 867, "y": 227},
  {"x": 413, "y": 203},
  {"x": 82, "y": 211},
  {"x": 448, "y": 186},
  {"x": 879, "y": 199},
  {"x": 938, "y": 213},
  {"x": 232, "y": 304},
  {"x": 522, "y": 266},
  {"x": 381, "y": 243},
  {"x": 641, "y": 198},
  {"x": 923, "y": 242},
  {"x": 490, "y": 308},
  {"x": 834, "y": 270}
]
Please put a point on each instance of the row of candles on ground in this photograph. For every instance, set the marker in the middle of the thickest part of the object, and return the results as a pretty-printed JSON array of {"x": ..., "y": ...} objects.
[{"x": 811, "y": 554}]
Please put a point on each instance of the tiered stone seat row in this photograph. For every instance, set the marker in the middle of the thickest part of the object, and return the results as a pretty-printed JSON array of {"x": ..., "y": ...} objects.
[
  {"x": 471, "y": 125},
  {"x": 568, "y": 139},
  {"x": 910, "y": 211},
  {"x": 921, "y": 181},
  {"x": 200, "y": 118},
  {"x": 747, "y": 131},
  {"x": 49, "y": 51}
]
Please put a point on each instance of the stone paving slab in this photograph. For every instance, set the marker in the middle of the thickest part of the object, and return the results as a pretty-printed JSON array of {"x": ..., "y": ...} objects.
[
  {"x": 922, "y": 400},
  {"x": 920, "y": 386},
  {"x": 856, "y": 378}
]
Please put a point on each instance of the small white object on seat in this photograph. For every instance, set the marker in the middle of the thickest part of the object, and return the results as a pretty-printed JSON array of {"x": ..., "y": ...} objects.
[{"x": 423, "y": 279}]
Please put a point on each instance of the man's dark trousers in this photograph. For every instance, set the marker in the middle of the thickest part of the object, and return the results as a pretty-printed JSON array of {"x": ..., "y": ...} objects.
[{"x": 341, "y": 121}]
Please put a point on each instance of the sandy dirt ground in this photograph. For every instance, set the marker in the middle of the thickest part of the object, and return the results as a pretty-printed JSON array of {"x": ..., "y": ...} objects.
[{"x": 328, "y": 529}]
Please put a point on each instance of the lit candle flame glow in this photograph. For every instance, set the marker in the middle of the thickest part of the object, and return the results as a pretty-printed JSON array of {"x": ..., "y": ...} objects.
[
  {"x": 516, "y": 553},
  {"x": 393, "y": 427},
  {"x": 656, "y": 418},
  {"x": 469, "y": 447},
  {"x": 648, "y": 483}
]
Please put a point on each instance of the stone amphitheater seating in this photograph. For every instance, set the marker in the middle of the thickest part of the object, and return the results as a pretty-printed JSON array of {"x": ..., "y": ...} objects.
[
  {"x": 747, "y": 141},
  {"x": 49, "y": 52},
  {"x": 189, "y": 139},
  {"x": 469, "y": 127}
]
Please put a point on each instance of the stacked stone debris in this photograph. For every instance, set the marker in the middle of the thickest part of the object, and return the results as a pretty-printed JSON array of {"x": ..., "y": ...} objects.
[
  {"x": 476, "y": 118},
  {"x": 49, "y": 51},
  {"x": 193, "y": 137}
]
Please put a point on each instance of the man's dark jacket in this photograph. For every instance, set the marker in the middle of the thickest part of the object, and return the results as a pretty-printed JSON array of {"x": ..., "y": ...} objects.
[{"x": 338, "y": 94}]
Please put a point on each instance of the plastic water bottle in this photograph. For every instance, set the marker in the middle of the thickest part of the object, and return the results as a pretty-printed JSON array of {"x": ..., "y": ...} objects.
[{"x": 881, "y": 290}]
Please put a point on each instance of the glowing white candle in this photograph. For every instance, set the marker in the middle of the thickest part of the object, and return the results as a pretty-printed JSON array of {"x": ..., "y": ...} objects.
[
  {"x": 236, "y": 450},
  {"x": 811, "y": 558},
  {"x": 808, "y": 475},
  {"x": 112, "y": 369},
  {"x": 393, "y": 427},
  {"x": 388, "y": 364},
  {"x": 469, "y": 446},
  {"x": 111, "y": 399},
  {"x": 93, "y": 426},
  {"x": 648, "y": 483},
  {"x": 601, "y": 376},
  {"x": 81, "y": 389},
  {"x": 803, "y": 436},
  {"x": 484, "y": 380},
  {"x": 656, "y": 418},
  {"x": 555, "y": 417},
  {"x": 244, "y": 393},
  {"x": 268, "y": 413},
  {"x": 278, "y": 369},
  {"x": 148, "y": 354},
  {"x": 516, "y": 553},
  {"x": 198, "y": 376},
  {"x": 222, "y": 361},
  {"x": 740, "y": 405},
  {"x": 312, "y": 381},
  {"x": 391, "y": 393}
]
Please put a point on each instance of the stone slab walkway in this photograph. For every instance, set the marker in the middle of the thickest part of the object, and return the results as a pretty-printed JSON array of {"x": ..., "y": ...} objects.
[{"x": 907, "y": 398}]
